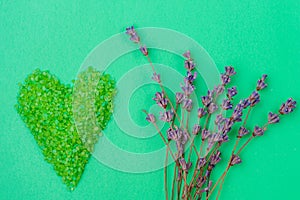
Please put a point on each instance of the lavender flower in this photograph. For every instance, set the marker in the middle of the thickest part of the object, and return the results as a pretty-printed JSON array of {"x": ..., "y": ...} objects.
[
  {"x": 242, "y": 131},
  {"x": 200, "y": 182},
  {"x": 212, "y": 108},
  {"x": 235, "y": 159},
  {"x": 179, "y": 97},
  {"x": 184, "y": 136},
  {"x": 150, "y": 118},
  {"x": 213, "y": 138},
  {"x": 219, "y": 119},
  {"x": 206, "y": 100},
  {"x": 166, "y": 116},
  {"x": 158, "y": 96},
  {"x": 215, "y": 158},
  {"x": 227, "y": 125},
  {"x": 287, "y": 107},
  {"x": 201, "y": 163},
  {"x": 130, "y": 31},
  {"x": 187, "y": 55},
  {"x": 133, "y": 35},
  {"x": 190, "y": 77},
  {"x": 225, "y": 79},
  {"x": 224, "y": 138},
  {"x": 135, "y": 38},
  {"x": 144, "y": 50},
  {"x": 237, "y": 113},
  {"x": 219, "y": 90},
  {"x": 187, "y": 89},
  {"x": 231, "y": 92},
  {"x": 189, "y": 65},
  {"x": 196, "y": 129},
  {"x": 201, "y": 112},
  {"x": 258, "y": 131},
  {"x": 156, "y": 77},
  {"x": 273, "y": 118},
  {"x": 254, "y": 98},
  {"x": 229, "y": 70},
  {"x": 185, "y": 166},
  {"x": 187, "y": 104},
  {"x": 261, "y": 83},
  {"x": 204, "y": 134},
  {"x": 226, "y": 104},
  {"x": 174, "y": 134},
  {"x": 245, "y": 103},
  {"x": 162, "y": 103}
]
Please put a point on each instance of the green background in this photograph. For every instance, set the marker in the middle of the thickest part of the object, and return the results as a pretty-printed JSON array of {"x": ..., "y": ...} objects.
[{"x": 254, "y": 36}]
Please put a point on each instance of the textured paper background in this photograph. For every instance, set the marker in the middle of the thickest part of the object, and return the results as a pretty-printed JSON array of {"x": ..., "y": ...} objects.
[{"x": 255, "y": 36}]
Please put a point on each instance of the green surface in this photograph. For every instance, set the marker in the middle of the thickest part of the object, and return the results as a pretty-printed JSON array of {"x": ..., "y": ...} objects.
[{"x": 256, "y": 37}]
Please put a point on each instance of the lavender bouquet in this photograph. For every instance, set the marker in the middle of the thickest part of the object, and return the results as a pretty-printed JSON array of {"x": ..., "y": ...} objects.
[{"x": 192, "y": 178}]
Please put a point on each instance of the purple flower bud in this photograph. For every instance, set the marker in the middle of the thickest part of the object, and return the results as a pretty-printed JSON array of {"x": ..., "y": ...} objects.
[
  {"x": 273, "y": 118},
  {"x": 130, "y": 30},
  {"x": 196, "y": 129},
  {"x": 179, "y": 97},
  {"x": 184, "y": 136},
  {"x": 213, "y": 138},
  {"x": 150, "y": 118},
  {"x": 187, "y": 55},
  {"x": 215, "y": 158},
  {"x": 200, "y": 181},
  {"x": 225, "y": 79},
  {"x": 184, "y": 165},
  {"x": 158, "y": 96},
  {"x": 187, "y": 104},
  {"x": 190, "y": 77},
  {"x": 227, "y": 126},
  {"x": 201, "y": 163},
  {"x": 219, "y": 90},
  {"x": 156, "y": 77},
  {"x": 135, "y": 38},
  {"x": 174, "y": 134},
  {"x": 201, "y": 112},
  {"x": 242, "y": 131},
  {"x": 245, "y": 103},
  {"x": 261, "y": 83},
  {"x": 144, "y": 50},
  {"x": 229, "y": 70},
  {"x": 206, "y": 100},
  {"x": 258, "y": 131},
  {"x": 166, "y": 116},
  {"x": 237, "y": 113},
  {"x": 187, "y": 89},
  {"x": 226, "y": 104},
  {"x": 212, "y": 108},
  {"x": 163, "y": 103},
  {"x": 235, "y": 159},
  {"x": 219, "y": 119},
  {"x": 204, "y": 134},
  {"x": 254, "y": 98},
  {"x": 287, "y": 107},
  {"x": 231, "y": 92},
  {"x": 189, "y": 65},
  {"x": 224, "y": 138},
  {"x": 206, "y": 188}
]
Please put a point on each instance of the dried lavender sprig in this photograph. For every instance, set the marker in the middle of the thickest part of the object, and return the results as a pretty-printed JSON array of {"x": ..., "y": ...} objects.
[
  {"x": 151, "y": 118},
  {"x": 290, "y": 103},
  {"x": 135, "y": 38}
]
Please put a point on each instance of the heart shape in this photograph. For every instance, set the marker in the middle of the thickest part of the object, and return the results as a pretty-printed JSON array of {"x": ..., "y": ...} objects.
[{"x": 59, "y": 117}]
